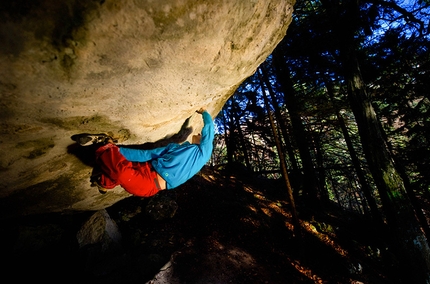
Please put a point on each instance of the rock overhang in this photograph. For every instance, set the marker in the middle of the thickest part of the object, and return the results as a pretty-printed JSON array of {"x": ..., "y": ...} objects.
[{"x": 135, "y": 68}]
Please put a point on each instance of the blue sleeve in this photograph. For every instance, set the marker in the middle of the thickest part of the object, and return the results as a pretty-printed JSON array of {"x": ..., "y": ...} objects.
[
  {"x": 207, "y": 132},
  {"x": 139, "y": 155}
]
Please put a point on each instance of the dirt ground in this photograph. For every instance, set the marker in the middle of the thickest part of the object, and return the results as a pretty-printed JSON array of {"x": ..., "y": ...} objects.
[
  {"x": 216, "y": 228},
  {"x": 237, "y": 229}
]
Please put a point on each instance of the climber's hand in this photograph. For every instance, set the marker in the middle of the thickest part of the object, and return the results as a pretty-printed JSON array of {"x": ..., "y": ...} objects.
[{"x": 201, "y": 110}]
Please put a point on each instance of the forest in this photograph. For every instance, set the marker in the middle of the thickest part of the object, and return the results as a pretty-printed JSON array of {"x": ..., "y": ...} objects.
[
  {"x": 318, "y": 174},
  {"x": 340, "y": 113}
]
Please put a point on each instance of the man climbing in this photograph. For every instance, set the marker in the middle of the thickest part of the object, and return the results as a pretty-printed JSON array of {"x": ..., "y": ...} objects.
[{"x": 146, "y": 172}]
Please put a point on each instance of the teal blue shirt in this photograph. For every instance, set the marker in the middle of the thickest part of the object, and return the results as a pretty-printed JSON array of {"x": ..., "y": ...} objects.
[{"x": 177, "y": 163}]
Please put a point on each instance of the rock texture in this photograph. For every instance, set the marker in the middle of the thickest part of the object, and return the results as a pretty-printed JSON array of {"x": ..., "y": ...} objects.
[
  {"x": 99, "y": 229},
  {"x": 137, "y": 69}
]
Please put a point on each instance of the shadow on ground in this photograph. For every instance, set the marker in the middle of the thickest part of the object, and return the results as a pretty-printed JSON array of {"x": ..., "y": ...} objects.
[{"x": 225, "y": 229}]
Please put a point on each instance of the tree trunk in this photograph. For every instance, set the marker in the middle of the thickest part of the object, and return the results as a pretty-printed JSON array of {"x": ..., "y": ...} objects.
[
  {"x": 408, "y": 241},
  {"x": 412, "y": 196},
  {"x": 228, "y": 138},
  {"x": 283, "y": 165},
  {"x": 281, "y": 122},
  {"x": 241, "y": 137},
  {"x": 356, "y": 162},
  {"x": 310, "y": 180},
  {"x": 410, "y": 244},
  {"x": 321, "y": 171}
]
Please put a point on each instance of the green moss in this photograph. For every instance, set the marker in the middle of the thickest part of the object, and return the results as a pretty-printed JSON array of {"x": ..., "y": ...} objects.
[
  {"x": 39, "y": 152},
  {"x": 90, "y": 124},
  {"x": 35, "y": 148},
  {"x": 395, "y": 184},
  {"x": 323, "y": 227},
  {"x": 85, "y": 123}
]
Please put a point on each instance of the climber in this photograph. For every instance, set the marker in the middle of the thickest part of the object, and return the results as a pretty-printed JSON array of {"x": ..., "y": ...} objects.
[{"x": 146, "y": 172}]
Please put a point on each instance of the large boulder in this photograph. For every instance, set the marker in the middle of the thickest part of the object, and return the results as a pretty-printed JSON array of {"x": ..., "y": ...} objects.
[{"x": 136, "y": 69}]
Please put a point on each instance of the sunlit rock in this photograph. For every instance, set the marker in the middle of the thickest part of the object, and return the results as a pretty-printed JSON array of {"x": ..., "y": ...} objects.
[{"x": 136, "y": 69}]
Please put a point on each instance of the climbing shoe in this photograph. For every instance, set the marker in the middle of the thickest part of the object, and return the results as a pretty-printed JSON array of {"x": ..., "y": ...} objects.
[
  {"x": 101, "y": 189},
  {"x": 86, "y": 139}
]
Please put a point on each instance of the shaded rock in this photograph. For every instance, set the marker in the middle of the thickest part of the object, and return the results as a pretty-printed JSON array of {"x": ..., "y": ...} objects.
[
  {"x": 99, "y": 229},
  {"x": 221, "y": 265},
  {"x": 100, "y": 244}
]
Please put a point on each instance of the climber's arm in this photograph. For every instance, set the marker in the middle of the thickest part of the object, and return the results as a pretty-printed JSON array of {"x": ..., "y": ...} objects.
[{"x": 139, "y": 155}]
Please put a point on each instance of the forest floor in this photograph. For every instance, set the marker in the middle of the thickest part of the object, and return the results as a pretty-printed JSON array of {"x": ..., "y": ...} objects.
[{"x": 225, "y": 229}]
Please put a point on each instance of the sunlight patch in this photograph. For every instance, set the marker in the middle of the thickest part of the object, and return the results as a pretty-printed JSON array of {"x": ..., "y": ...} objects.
[
  {"x": 324, "y": 238},
  {"x": 306, "y": 271}
]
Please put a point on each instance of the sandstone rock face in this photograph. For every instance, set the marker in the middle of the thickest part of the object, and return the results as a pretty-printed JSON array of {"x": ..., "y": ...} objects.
[
  {"x": 137, "y": 69},
  {"x": 99, "y": 229}
]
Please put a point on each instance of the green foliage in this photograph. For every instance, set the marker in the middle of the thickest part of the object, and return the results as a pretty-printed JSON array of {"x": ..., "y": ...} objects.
[
  {"x": 306, "y": 86},
  {"x": 395, "y": 64}
]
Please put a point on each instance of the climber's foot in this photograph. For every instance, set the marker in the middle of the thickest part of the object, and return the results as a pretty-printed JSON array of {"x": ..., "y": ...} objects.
[
  {"x": 86, "y": 139},
  {"x": 101, "y": 189}
]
